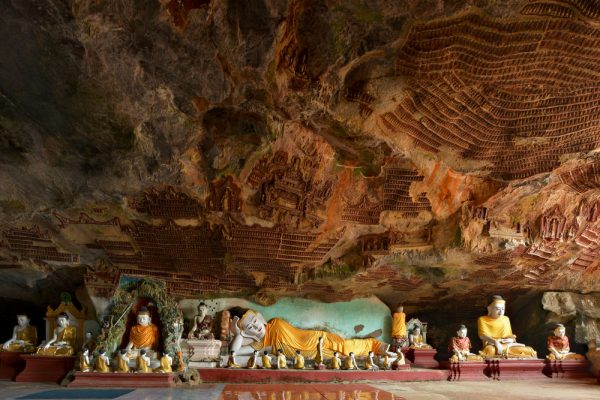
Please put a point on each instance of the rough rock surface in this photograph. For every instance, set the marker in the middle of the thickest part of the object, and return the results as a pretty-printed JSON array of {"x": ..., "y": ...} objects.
[{"x": 429, "y": 152}]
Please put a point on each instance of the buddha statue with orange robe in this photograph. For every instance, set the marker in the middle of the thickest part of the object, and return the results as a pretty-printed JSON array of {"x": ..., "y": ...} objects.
[
  {"x": 558, "y": 346},
  {"x": 145, "y": 334},
  {"x": 496, "y": 334},
  {"x": 399, "y": 337},
  {"x": 252, "y": 332}
]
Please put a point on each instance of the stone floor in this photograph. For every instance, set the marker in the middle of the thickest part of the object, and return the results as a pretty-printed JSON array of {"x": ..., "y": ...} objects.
[{"x": 586, "y": 389}]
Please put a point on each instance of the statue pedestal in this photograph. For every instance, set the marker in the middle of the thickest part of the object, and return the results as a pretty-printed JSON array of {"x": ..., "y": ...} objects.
[
  {"x": 566, "y": 369},
  {"x": 45, "y": 368},
  {"x": 500, "y": 369},
  {"x": 201, "y": 351},
  {"x": 121, "y": 380},
  {"x": 422, "y": 358},
  {"x": 465, "y": 370},
  {"x": 11, "y": 364}
]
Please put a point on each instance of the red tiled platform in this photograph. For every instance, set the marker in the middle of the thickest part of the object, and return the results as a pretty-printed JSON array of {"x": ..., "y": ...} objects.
[
  {"x": 11, "y": 363},
  {"x": 241, "y": 375},
  {"x": 514, "y": 369},
  {"x": 567, "y": 369},
  {"x": 45, "y": 368},
  {"x": 465, "y": 371},
  {"x": 120, "y": 380},
  {"x": 422, "y": 358},
  {"x": 306, "y": 392}
]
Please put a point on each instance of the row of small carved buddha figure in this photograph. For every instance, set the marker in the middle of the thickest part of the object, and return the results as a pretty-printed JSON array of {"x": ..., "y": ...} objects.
[
  {"x": 389, "y": 361},
  {"x": 101, "y": 362}
]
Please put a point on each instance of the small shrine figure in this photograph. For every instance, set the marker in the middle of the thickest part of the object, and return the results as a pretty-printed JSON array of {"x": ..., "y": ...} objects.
[
  {"x": 298, "y": 360},
  {"x": 143, "y": 362},
  {"x": 145, "y": 334},
  {"x": 399, "y": 338},
  {"x": 266, "y": 360},
  {"x": 24, "y": 336},
  {"x": 122, "y": 362},
  {"x": 165, "y": 364},
  {"x": 89, "y": 342},
  {"x": 558, "y": 346},
  {"x": 62, "y": 342},
  {"x": 231, "y": 361},
  {"x": 102, "y": 363},
  {"x": 387, "y": 362},
  {"x": 253, "y": 360},
  {"x": 281, "y": 360},
  {"x": 350, "y": 362},
  {"x": 416, "y": 339},
  {"x": 460, "y": 346},
  {"x": 336, "y": 362},
  {"x": 319, "y": 358},
  {"x": 370, "y": 364},
  {"x": 400, "y": 360},
  {"x": 202, "y": 324},
  {"x": 84, "y": 361}
]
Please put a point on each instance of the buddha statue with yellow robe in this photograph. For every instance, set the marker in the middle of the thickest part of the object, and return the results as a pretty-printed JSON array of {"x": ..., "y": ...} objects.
[
  {"x": 251, "y": 332},
  {"x": 416, "y": 339},
  {"x": 558, "y": 346},
  {"x": 496, "y": 334},
  {"x": 24, "y": 336},
  {"x": 145, "y": 334},
  {"x": 63, "y": 339}
]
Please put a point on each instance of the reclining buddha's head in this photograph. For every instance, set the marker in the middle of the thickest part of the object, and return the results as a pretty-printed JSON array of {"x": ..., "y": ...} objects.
[{"x": 252, "y": 325}]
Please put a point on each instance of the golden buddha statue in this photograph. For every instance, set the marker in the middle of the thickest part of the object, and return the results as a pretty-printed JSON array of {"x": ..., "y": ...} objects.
[
  {"x": 496, "y": 334},
  {"x": 143, "y": 362},
  {"x": 62, "y": 342},
  {"x": 24, "y": 336},
  {"x": 416, "y": 339},
  {"x": 558, "y": 346},
  {"x": 336, "y": 362},
  {"x": 231, "y": 361},
  {"x": 122, "y": 362},
  {"x": 350, "y": 362},
  {"x": 165, "y": 364},
  {"x": 460, "y": 346},
  {"x": 399, "y": 328},
  {"x": 370, "y": 364},
  {"x": 145, "y": 334},
  {"x": 281, "y": 360},
  {"x": 252, "y": 361},
  {"x": 298, "y": 360},
  {"x": 266, "y": 360},
  {"x": 252, "y": 332},
  {"x": 102, "y": 363},
  {"x": 84, "y": 361}
]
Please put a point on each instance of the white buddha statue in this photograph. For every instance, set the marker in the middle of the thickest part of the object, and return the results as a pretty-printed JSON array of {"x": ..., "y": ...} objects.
[
  {"x": 63, "y": 338},
  {"x": 144, "y": 335},
  {"x": 24, "y": 336}
]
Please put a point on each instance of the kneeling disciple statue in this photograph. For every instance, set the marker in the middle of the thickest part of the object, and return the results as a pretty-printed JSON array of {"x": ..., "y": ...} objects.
[
  {"x": 122, "y": 362},
  {"x": 370, "y": 364},
  {"x": 281, "y": 360},
  {"x": 231, "y": 361},
  {"x": 496, "y": 334},
  {"x": 143, "y": 362},
  {"x": 416, "y": 339},
  {"x": 350, "y": 362},
  {"x": 336, "y": 362},
  {"x": 558, "y": 346},
  {"x": 24, "y": 336},
  {"x": 298, "y": 360},
  {"x": 63, "y": 338},
  {"x": 460, "y": 346},
  {"x": 84, "y": 361},
  {"x": 165, "y": 364},
  {"x": 102, "y": 363},
  {"x": 266, "y": 360},
  {"x": 253, "y": 361}
]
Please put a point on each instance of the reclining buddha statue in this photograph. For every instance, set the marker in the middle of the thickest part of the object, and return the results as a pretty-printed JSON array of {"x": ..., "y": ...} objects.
[
  {"x": 252, "y": 332},
  {"x": 496, "y": 334}
]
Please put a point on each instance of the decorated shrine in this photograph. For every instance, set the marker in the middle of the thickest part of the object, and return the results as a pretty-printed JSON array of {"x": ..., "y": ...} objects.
[{"x": 305, "y": 192}]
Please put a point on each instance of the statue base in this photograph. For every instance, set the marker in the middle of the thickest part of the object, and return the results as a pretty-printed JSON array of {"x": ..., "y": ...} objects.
[
  {"x": 198, "y": 350},
  {"x": 11, "y": 364},
  {"x": 566, "y": 369},
  {"x": 422, "y": 358},
  {"x": 241, "y": 375},
  {"x": 45, "y": 368},
  {"x": 465, "y": 370},
  {"x": 121, "y": 380},
  {"x": 499, "y": 369}
]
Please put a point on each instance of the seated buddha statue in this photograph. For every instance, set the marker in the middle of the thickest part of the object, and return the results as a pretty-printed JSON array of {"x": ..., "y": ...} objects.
[
  {"x": 416, "y": 339},
  {"x": 24, "y": 336},
  {"x": 460, "y": 346},
  {"x": 558, "y": 346},
  {"x": 202, "y": 324},
  {"x": 145, "y": 334},
  {"x": 63, "y": 338},
  {"x": 496, "y": 334},
  {"x": 251, "y": 332}
]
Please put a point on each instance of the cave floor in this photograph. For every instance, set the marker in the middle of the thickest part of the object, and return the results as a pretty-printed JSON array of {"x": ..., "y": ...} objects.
[{"x": 490, "y": 390}]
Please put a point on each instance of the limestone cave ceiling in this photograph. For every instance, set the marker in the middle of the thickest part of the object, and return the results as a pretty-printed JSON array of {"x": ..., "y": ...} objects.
[{"x": 415, "y": 150}]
